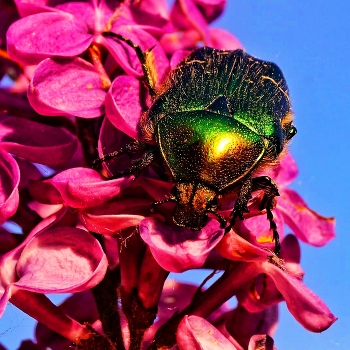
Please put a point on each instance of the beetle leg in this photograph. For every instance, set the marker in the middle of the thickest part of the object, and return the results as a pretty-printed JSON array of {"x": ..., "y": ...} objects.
[
  {"x": 139, "y": 164},
  {"x": 142, "y": 56},
  {"x": 270, "y": 189},
  {"x": 241, "y": 205},
  {"x": 130, "y": 148}
]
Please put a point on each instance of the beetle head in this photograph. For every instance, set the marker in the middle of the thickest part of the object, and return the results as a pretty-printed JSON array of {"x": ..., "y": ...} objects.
[{"x": 193, "y": 201}]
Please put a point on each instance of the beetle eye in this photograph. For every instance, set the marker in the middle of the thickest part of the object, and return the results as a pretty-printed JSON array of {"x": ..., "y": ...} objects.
[{"x": 291, "y": 132}]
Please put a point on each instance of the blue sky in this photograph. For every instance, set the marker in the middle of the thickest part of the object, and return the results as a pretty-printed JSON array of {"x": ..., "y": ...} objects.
[{"x": 309, "y": 41}]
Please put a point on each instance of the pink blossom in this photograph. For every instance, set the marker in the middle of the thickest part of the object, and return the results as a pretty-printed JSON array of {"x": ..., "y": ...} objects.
[
  {"x": 90, "y": 229},
  {"x": 305, "y": 306},
  {"x": 197, "y": 333}
]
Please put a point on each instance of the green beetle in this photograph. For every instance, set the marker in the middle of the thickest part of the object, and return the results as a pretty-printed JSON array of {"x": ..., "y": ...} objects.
[{"x": 219, "y": 119}]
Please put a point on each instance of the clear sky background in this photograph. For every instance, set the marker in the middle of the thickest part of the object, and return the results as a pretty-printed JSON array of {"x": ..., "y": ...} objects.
[{"x": 309, "y": 40}]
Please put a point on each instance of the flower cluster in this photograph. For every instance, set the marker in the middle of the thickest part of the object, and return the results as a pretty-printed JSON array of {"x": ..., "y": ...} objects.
[{"x": 77, "y": 95}]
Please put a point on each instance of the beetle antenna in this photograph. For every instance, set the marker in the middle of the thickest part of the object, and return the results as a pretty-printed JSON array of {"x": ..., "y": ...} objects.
[{"x": 143, "y": 58}]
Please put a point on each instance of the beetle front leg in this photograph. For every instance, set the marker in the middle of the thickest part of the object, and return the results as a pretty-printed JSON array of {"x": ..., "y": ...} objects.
[
  {"x": 241, "y": 204},
  {"x": 138, "y": 165},
  {"x": 270, "y": 189},
  {"x": 130, "y": 148}
]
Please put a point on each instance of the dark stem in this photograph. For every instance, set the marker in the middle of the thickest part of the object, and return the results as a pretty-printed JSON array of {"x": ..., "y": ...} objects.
[
  {"x": 106, "y": 298},
  {"x": 139, "y": 318},
  {"x": 88, "y": 136}
]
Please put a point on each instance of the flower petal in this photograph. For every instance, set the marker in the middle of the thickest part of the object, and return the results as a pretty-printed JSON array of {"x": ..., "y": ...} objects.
[
  {"x": 9, "y": 181},
  {"x": 45, "y": 264},
  {"x": 234, "y": 247},
  {"x": 38, "y": 143},
  {"x": 123, "y": 107},
  {"x": 284, "y": 172},
  {"x": 224, "y": 40},
  {"x": 307, "y": 308},
  {"x": 110, "y": 218},
  {"x": 47, "y": 34},
  {"x": 186, "y": 15},
  {"x": 83, "y": 187},
  {"x": 306, "y": 224},
  {"x": 69, "y": 87},
  {"x": 198, "y": 334},
  {"x": 127, "y": 58},
  {"x": 178, "y": 249},
  {"x": 242, "y": 324}
]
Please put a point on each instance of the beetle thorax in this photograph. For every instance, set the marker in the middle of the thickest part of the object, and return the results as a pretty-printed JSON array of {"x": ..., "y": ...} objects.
[{"x": 193, "y": 201}]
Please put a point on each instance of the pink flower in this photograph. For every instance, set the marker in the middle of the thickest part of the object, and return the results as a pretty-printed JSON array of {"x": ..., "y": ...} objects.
[
  {"x": 279, "y": 281},
  {"x": 91, "y": 232},
  {"x": 291, "y": 210}
]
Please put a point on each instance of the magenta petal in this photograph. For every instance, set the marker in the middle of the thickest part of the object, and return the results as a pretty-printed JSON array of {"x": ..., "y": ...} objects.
[
  {"x": 285, "y": 172},
  {"x": 177, "y": 249},
  {"x": 8, "y": 241},
  {"x": 45, "y": 264},
  {"x": 110, "y": 218},
  {"x": 91, "y": 17},
  {"x": 242, "y": 324},
  {"x": 259, "y": 227},
  {"x": 47, "y": 34},
  {"x": 126, "y": 56},
  {"x": 175, "y": 297},
  {"x": 224, "y": 40},
  {"x": 307, "y": 308},
  {"x": 186, "y": 15},
  {"x": 45, "y": 192},
  {"x": 260, "y": 293},
  {"x": 306, "y": 224},
  {"x": 69, "y": 87},
  {"x": 198, "y": 334},
  {"x": 123, "y": 107},
  {"x": 157, "y": 189},
  {"x": 83, "y": 187},
  {"x": 37, "y": 142},
  {"x": 110, "y": 140},
  {"x": 234, "y": 247},
  {"x": 211, "y": 9},
  {"x": 27, "y": 8},
  {"x": 5, "y": 295},
  {"x": 9, "y": 181},
  {"x": 177, "y": 57}
]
